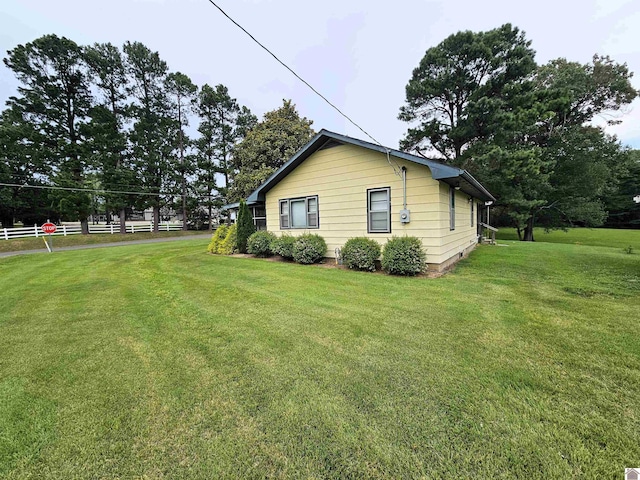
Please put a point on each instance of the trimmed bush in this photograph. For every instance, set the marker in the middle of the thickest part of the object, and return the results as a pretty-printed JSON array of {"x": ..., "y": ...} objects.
[
  {"x": 229, "y": 244},
  {"x": 245, "y": 227},
  {"x": 309, "y": 248},
  {"x": 283, "y": 246},
  {"x": 404, "y": 256},
  {"x": 361, "y": 253},
  {"x": 259, "y": 243},
  {"x": 219, "y": 235}
]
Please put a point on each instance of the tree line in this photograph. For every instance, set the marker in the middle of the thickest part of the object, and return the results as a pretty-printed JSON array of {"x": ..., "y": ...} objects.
[
  {"x": 116, "y": 120},
  {"x": 105, "y": 130},
  {"x": 479, "y": 101}
]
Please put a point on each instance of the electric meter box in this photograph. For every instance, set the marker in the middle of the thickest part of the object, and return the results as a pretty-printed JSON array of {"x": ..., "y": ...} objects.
[{"x": 405, "y": 216}]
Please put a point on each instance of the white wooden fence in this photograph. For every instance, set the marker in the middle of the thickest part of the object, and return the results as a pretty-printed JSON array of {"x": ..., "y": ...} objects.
[{"x": 64, "y": 230}]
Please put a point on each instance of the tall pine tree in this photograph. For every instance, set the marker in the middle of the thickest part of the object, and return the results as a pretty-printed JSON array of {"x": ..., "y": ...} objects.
[
  {"x": 223, "y": 123},
  {"x": 153, "y": 127},
  {"x": 55, "y": 98},
  {"x": 182, "y": 94},
  {"x": 107, "y": 130}
]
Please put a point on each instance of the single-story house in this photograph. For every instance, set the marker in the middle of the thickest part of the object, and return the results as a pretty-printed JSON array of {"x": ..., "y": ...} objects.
[{"x": 340, "y": 187}]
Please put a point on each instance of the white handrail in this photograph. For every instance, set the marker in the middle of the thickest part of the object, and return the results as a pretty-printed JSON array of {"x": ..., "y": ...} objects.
[{"x": 493, "y": 229}]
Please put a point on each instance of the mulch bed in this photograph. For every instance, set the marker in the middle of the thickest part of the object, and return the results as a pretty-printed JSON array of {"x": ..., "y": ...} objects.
[{"x": 329, "y": 263}]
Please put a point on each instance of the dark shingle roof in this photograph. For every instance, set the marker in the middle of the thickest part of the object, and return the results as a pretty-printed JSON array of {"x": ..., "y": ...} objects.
[{"x": 446, "y": 173}]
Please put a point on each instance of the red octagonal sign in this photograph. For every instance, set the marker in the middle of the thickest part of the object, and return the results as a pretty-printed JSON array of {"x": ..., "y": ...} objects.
[{"x": 48, "y": 228}]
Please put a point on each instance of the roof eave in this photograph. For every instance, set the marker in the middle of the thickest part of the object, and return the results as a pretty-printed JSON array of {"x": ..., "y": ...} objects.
[
  {"x": 258, "y": 194},
  {"x": 231, "y": 206},
  {"x": 439, "y": 171},
  {"x": 469, "y": 185}
]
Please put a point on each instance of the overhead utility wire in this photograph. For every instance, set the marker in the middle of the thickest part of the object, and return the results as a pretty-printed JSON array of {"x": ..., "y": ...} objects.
[
  {"x": 295, "y": 74},
  {"x": 93, "y": 190},
  {"x": 119, "y": 185}
]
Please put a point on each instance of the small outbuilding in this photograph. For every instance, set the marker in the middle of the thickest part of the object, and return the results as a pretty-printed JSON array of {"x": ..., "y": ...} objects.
[{"x": 340, "y": 187}]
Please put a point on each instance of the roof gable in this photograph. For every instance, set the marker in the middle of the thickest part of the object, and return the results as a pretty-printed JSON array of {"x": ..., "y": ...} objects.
[{"x": 325, "y": 139}]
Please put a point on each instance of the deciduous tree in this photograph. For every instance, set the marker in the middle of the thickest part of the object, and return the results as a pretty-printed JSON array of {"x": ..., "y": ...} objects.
[
  {"x": 525, "y": 132},
  {"x": 623, "y": 211},
  {"x": 583, "y": 163},
  {"x": 267, "y": 146}
]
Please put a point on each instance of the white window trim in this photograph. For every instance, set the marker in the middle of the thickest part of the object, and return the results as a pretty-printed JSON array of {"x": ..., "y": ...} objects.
[
  {"x": 381, "y": 189},
  {"x": 452, "y": 208},
  {"x": 472, "y": 202}
]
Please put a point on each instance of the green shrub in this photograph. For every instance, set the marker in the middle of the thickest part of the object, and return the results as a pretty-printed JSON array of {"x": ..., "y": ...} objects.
[
  {"x": 259, "y": 243},
  {"x": 217, "y": 238},
  {"x": 245, "y": 227},
  {"x": 283, "y": 246},
  {"x": 229, "y": 244},
  {"x": 309, "y": 248},
  {"x": 361, "y": 253},
  {"x": 628, "y": 250},
  {"x": 404, "y": 256}
]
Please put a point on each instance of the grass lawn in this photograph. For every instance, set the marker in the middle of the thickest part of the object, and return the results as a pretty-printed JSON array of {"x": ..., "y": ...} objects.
[
  {"x": 599, "y": 237},
  {"x": 160, "y": 361},
  {"x": 17, "y": 244}
]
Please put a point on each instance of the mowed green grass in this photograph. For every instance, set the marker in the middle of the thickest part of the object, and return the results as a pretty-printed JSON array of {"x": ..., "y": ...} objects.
[
  {"x": 600, "y": 237},
  {"x": 33, "y": 243},
  {"x": 160, "y": 361}
]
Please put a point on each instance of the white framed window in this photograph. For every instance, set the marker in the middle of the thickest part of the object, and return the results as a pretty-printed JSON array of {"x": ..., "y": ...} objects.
[
  {"x": 452, "y": 208},
  {"x": 299, "y": 212},
  {"x": 472, "y": 204},
  {"x": 259, "y": 218},
  {"x": 284, "y": 214},
  {"x": 379, "y": 210},
  {"x": 312, "y": 212}
]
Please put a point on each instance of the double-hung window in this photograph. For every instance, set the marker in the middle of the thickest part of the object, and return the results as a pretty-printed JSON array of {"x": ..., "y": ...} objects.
[
  {"x": 452, "y": 208},
  {"x": 472, "y": 203},
  {"x": 379, "y": 210},
  {"x": 260, "y": 218},
  {"x": 299, "y": 212}
]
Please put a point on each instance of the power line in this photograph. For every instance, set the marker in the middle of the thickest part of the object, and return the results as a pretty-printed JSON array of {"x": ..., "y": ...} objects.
[
  {"x": 87, "y": 190},
  {"x": 294, "y": 73},
  {"x": 31, "y": 176},
  {"x": 101, "y": 191}
]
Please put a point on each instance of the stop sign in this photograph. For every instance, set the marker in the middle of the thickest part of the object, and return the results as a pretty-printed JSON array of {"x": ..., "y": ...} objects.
[{"x": 48, "y": 228}]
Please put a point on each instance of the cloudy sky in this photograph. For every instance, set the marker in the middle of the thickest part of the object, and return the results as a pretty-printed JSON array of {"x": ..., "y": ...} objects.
[{"x": 360, "y": 54}]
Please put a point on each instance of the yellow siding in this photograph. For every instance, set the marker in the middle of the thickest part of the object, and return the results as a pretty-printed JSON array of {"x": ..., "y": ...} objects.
[
  {"x": 454, "y": 242},
  {"x": 341, "y": 175}
]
